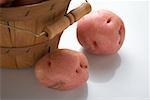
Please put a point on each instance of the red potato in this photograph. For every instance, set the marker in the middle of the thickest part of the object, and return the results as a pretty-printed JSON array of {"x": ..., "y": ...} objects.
[
  {"x": 25, "y": 2},
  {"x": 101, "y": 32},
  {"x": 64, "y": 69}
]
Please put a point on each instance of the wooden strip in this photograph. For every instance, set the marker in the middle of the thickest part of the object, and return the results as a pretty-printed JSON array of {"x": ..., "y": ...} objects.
[
  {"x": 40, "y": 24},
  {"x": 5, "y": 37},
  {"x": 54, "y": 43},
  {"x": 12, "y": 32},
  {"x": 23, "y": 50},
  {"x": 23, "y": 39},
  {"x": 37, "y": 10},
  {"x": 6, "y": 41},
  {"x": 7, "y": 61}
]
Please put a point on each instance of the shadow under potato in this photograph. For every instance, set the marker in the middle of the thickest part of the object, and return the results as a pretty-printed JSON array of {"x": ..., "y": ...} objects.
[
  {"x": 21, "y": 84},
  {"x": 102, "y": 68}
]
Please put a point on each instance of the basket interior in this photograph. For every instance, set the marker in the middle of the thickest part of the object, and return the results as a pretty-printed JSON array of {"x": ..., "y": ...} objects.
[{"x": 50, "y": 8}]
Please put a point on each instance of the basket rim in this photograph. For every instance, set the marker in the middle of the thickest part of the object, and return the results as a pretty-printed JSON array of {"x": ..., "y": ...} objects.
[
  {"x": 25, "y": 6},
  {"x": 36, "y": 10}
]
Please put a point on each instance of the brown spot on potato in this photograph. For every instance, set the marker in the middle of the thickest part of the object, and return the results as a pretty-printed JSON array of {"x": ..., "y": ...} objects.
[
  {"x": 58, "y": 85},
  {"x": 120, "y": 29},
  {"x": 120, "y": 33},
  {"x": 83, "y": 66},
  {"x": 95, "y": 44},
  {"x": 49, "y": 63},
  {"x": 49, "y": 87},
  {"x": 77, "y": 71},
  {"x": 49, "y": 49},
  {"x": 119, "y": 42},
  {"x": 108, "y": 20}
]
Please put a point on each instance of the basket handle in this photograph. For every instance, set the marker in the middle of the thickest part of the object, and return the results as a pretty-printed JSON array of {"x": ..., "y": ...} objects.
[{"x": 60, "y": 25}]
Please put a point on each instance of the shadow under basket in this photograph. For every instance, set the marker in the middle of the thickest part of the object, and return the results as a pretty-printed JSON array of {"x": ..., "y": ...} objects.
[{"x": 29, "y": 32}]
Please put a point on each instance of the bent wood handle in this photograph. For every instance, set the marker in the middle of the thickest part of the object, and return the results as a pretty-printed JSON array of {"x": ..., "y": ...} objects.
[{"x": 61, "y": 24}]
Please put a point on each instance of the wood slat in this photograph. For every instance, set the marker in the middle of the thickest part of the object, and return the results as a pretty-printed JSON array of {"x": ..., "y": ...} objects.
[
  {"x": 5, "y": 35},
  {"x": 23, "y": 39},
  {"x": 6, "y": 41}
]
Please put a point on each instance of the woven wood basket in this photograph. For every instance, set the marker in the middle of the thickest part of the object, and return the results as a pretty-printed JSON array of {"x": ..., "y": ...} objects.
[{"x": 28, "y": 32}]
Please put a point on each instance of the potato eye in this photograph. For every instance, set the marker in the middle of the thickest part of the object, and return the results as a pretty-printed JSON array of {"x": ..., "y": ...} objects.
[
  {"x": 109, "y": 20},
  {"x": 83, "y": 66},
  {"x": 95, "y": 44},
  {"x": 77, "y": 71},
  {"x": 49, "y": 63}
]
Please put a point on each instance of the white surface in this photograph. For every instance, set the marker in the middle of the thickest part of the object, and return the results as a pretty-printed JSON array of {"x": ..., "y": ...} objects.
[{"x": 123, "y": 76}]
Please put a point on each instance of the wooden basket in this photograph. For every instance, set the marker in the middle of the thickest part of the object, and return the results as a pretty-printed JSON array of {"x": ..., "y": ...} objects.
[{"x": 28, "y": 32}]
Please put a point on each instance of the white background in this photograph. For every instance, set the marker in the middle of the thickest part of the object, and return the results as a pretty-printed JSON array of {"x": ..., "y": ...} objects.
[{"x": 123, "y": 76}]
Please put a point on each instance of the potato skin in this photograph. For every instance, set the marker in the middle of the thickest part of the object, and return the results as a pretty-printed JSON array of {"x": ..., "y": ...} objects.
[
  {"x": 101, "y": 32},
  {"x": 64, "y": 69}
]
